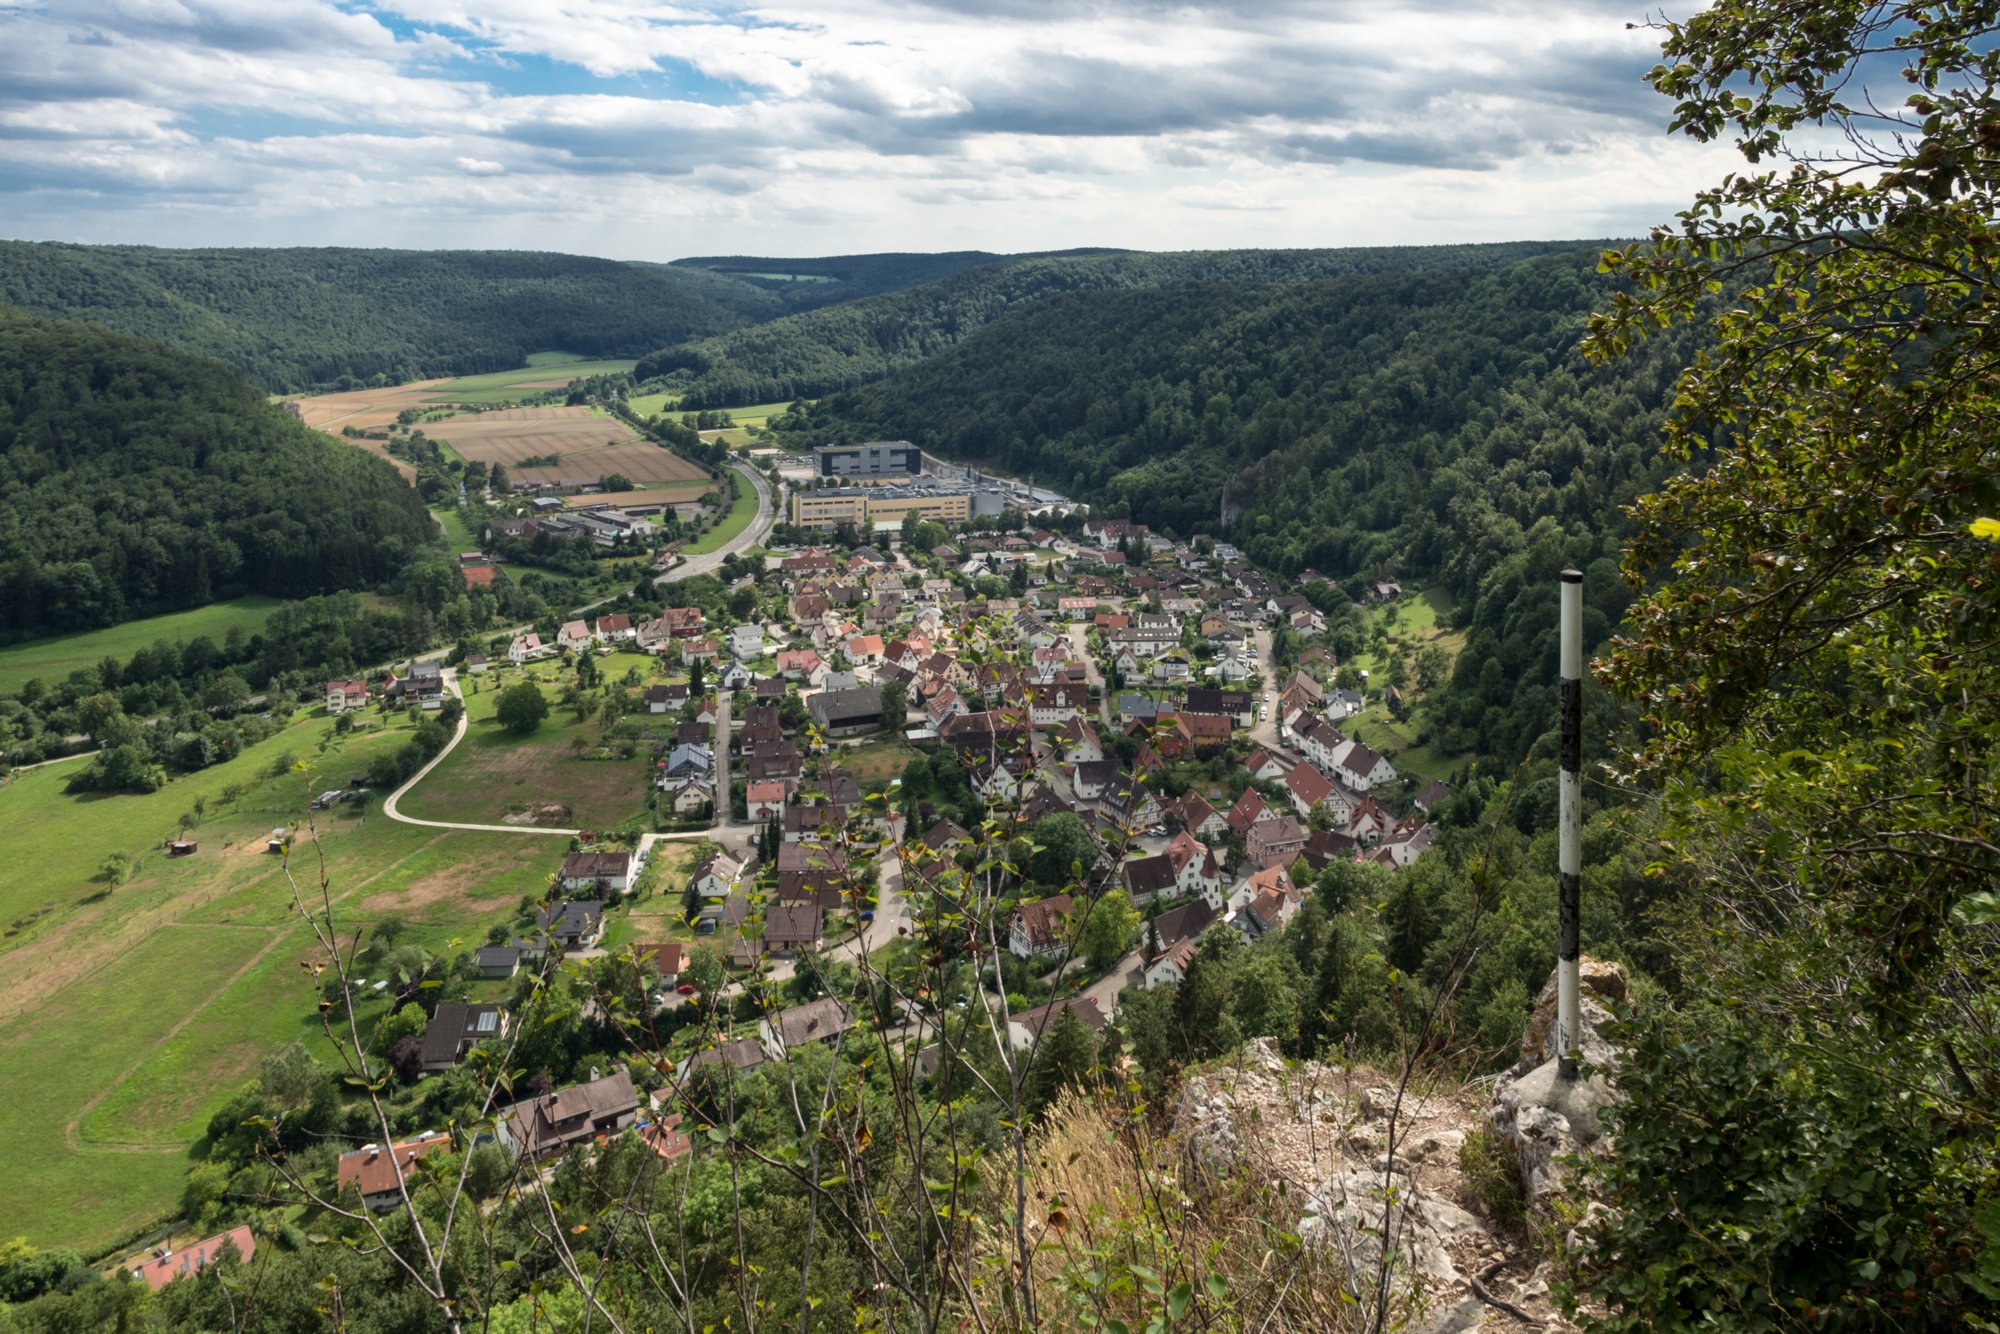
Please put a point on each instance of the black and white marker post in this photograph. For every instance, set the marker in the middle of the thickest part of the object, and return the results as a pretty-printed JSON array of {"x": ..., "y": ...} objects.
[{"x": 1569, "y": 1004}]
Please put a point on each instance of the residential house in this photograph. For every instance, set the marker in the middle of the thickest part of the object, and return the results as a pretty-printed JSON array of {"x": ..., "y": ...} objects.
[
  {"x": 378, "y": 1174},
  {"x": 1307, "y": 787},
  {"x": 346, "y": 696},
  {"x": 1078, "y": 742},
  {"x": 1148, "y": 877},
  {"x": 1186, "y": 922},
  {"x": 1198, "y": 817},
  {"x": 614, "y": 629},
  {"x": 847, "y": 712},
  {"x": 1024, "y": 1028},
  {"x": 1249, "y": 811},
  {"x": 527, "y": 648},
  {"x": 1169, "y": 967},
  {"x": 815, "y": 1021},
  {"x": 685, "y": 762},
  {"x": 1051, "y": 705},
  {"x": 788, "y": 928},
  {"x": 555, "y": 1122},
  {"x": 574, "y": 637},
  {"x": 1041, "y": 928},
  {"x": 699, "y": 650},
  {"x": 689, "y": 797},
  {"x": 716, "y": 876},
  {"x": 741, "y": 1055},
  {"x": 161, "y": 1270},
  {"x": 665, "y": 699},
  {"x": 453, "y": 1031},
  {"x": 1410, "y": 840},
  {"x": 494, "y": 961},
  {"x": 747, "y": 641},
  {"x": 1361, "y": 768},
  {"x": 764, "y": 800},
  {"x": 576, "y": 924},
  {"x": 1091, "y": 779},
  {"x": 1239, "y": 705},
  {"x": 1435, "y": 794},
  {"x": 1275, "y": 842},
  {"x": 863, "y": 650},
  {"x": 666, "y": 959},
  {"x": 603, "y": 872},
  {"x": 1196, "y": 870}
]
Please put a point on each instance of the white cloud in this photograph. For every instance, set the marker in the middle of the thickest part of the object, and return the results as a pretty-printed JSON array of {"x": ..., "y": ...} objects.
[{"x": 638, "y": 128}]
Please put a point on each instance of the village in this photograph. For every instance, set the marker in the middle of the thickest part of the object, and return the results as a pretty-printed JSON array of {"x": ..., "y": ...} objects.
[{"x": 1093, "y": 670}]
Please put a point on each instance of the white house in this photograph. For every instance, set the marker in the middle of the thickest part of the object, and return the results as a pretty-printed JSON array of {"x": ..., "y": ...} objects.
[
  {"x": 574, "y": 637},
  {"x": 1361, "y": 768},
  {"x": 747, "y": 641},
  {"x": 527, "y": 648}
]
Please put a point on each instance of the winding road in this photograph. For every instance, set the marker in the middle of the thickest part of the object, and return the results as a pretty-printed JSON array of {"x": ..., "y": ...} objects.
[{"x": 753, "y": 533}]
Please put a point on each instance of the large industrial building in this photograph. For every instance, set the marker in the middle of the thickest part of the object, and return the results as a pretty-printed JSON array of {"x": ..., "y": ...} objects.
[
  {"x": 865, "y": 506},
  {"x": 890, "y": 460}
]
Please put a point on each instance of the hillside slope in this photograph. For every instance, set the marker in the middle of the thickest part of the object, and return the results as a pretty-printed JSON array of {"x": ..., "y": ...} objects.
[
  {"x": 808, "y": 284},
  {"x": 301, "y": 319},
  {"x": 1434, "y": 427},
  {"x": 852, "y": 344},
  {"x": 135, "y": 479}
]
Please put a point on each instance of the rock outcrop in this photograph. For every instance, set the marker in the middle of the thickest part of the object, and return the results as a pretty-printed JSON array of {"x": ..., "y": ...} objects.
[
  {"x": 1328, "y": 1133},
  {"x": 1546, "y": 1117}
]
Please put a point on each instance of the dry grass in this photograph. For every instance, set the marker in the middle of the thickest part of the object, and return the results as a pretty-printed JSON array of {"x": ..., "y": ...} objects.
[{"x": 1107, "y": 1196}]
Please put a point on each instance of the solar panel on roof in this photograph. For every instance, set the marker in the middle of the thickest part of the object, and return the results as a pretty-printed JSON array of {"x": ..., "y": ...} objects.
[{"x": 488, "y": 1021}]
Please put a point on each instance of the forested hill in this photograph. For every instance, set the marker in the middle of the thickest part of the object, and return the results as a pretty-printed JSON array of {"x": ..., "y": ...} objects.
[
  {"x": 808, "y": 284},
  {"x": 1435, "y": 426},
  {"x": 302, "y": 319},
  {"x": 135, "y": 479},
  {"x": 852, "y": 344}
]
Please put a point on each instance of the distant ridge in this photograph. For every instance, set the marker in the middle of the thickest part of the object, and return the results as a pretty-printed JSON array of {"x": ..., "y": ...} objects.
[
  {"x": 854, "y": 343},
  {"x": 329, "y": 318}
]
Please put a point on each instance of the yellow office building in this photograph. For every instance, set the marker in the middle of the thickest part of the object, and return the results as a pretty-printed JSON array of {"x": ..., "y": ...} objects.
[{"x": 864, "y": 506}]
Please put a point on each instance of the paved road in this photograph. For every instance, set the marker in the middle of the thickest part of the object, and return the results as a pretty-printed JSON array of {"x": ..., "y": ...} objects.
[
  {"x": 724, "y": 814},
  {"x": 767, "y": 515},
  {"x": 394, "y": 799},
  {"x": 1079, "y": 645},
  {"x": 760, "y": 525},
  {"x": 1265, "y": 733}
]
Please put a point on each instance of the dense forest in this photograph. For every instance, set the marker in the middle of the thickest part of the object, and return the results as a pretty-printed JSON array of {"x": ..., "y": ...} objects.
[
  {"x": 823, "y": 351},
  {"x": 135, "y": 479},
  {"x": 304, "y": 319},
  {"x": 1439, "y": 427},
  {"x": 808, "y": 284}
]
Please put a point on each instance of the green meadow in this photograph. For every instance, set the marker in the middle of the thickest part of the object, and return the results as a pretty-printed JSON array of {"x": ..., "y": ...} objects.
[
  {"x": 53, "y": 659},
  {"x": 129, "y": 1012}
]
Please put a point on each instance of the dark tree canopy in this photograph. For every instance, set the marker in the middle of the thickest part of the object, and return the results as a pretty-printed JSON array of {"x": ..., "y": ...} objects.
[{"x": 136, "y": 480}]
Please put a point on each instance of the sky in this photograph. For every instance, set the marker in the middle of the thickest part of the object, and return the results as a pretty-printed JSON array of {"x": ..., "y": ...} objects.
[{"x": 656, "y": 131}]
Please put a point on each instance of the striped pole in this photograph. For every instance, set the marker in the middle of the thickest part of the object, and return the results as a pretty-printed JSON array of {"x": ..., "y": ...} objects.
[{"x": 1569, "y": 1001}]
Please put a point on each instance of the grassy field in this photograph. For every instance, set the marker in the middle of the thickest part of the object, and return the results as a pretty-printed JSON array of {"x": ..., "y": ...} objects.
[
  {"x": 128, "y": 1014},
  {"x": 494, "y": 774},
  {"x": 741, "y": 512},
  {"x": 545, "y": 370},
  {"x": 651, "y": 405},
  {"x": 53, "y": 659},
  {"x": 452, "y": 520},
  {"x": 874, "y": 763}
]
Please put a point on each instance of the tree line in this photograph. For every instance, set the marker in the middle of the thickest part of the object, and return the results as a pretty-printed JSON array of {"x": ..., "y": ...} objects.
[
  {"x": 852, "y": 344},
  {"x": 136, "y": 480}
]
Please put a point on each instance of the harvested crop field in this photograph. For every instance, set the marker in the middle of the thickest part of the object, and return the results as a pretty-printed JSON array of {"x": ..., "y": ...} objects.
[{"x": 589, "y": 446}]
